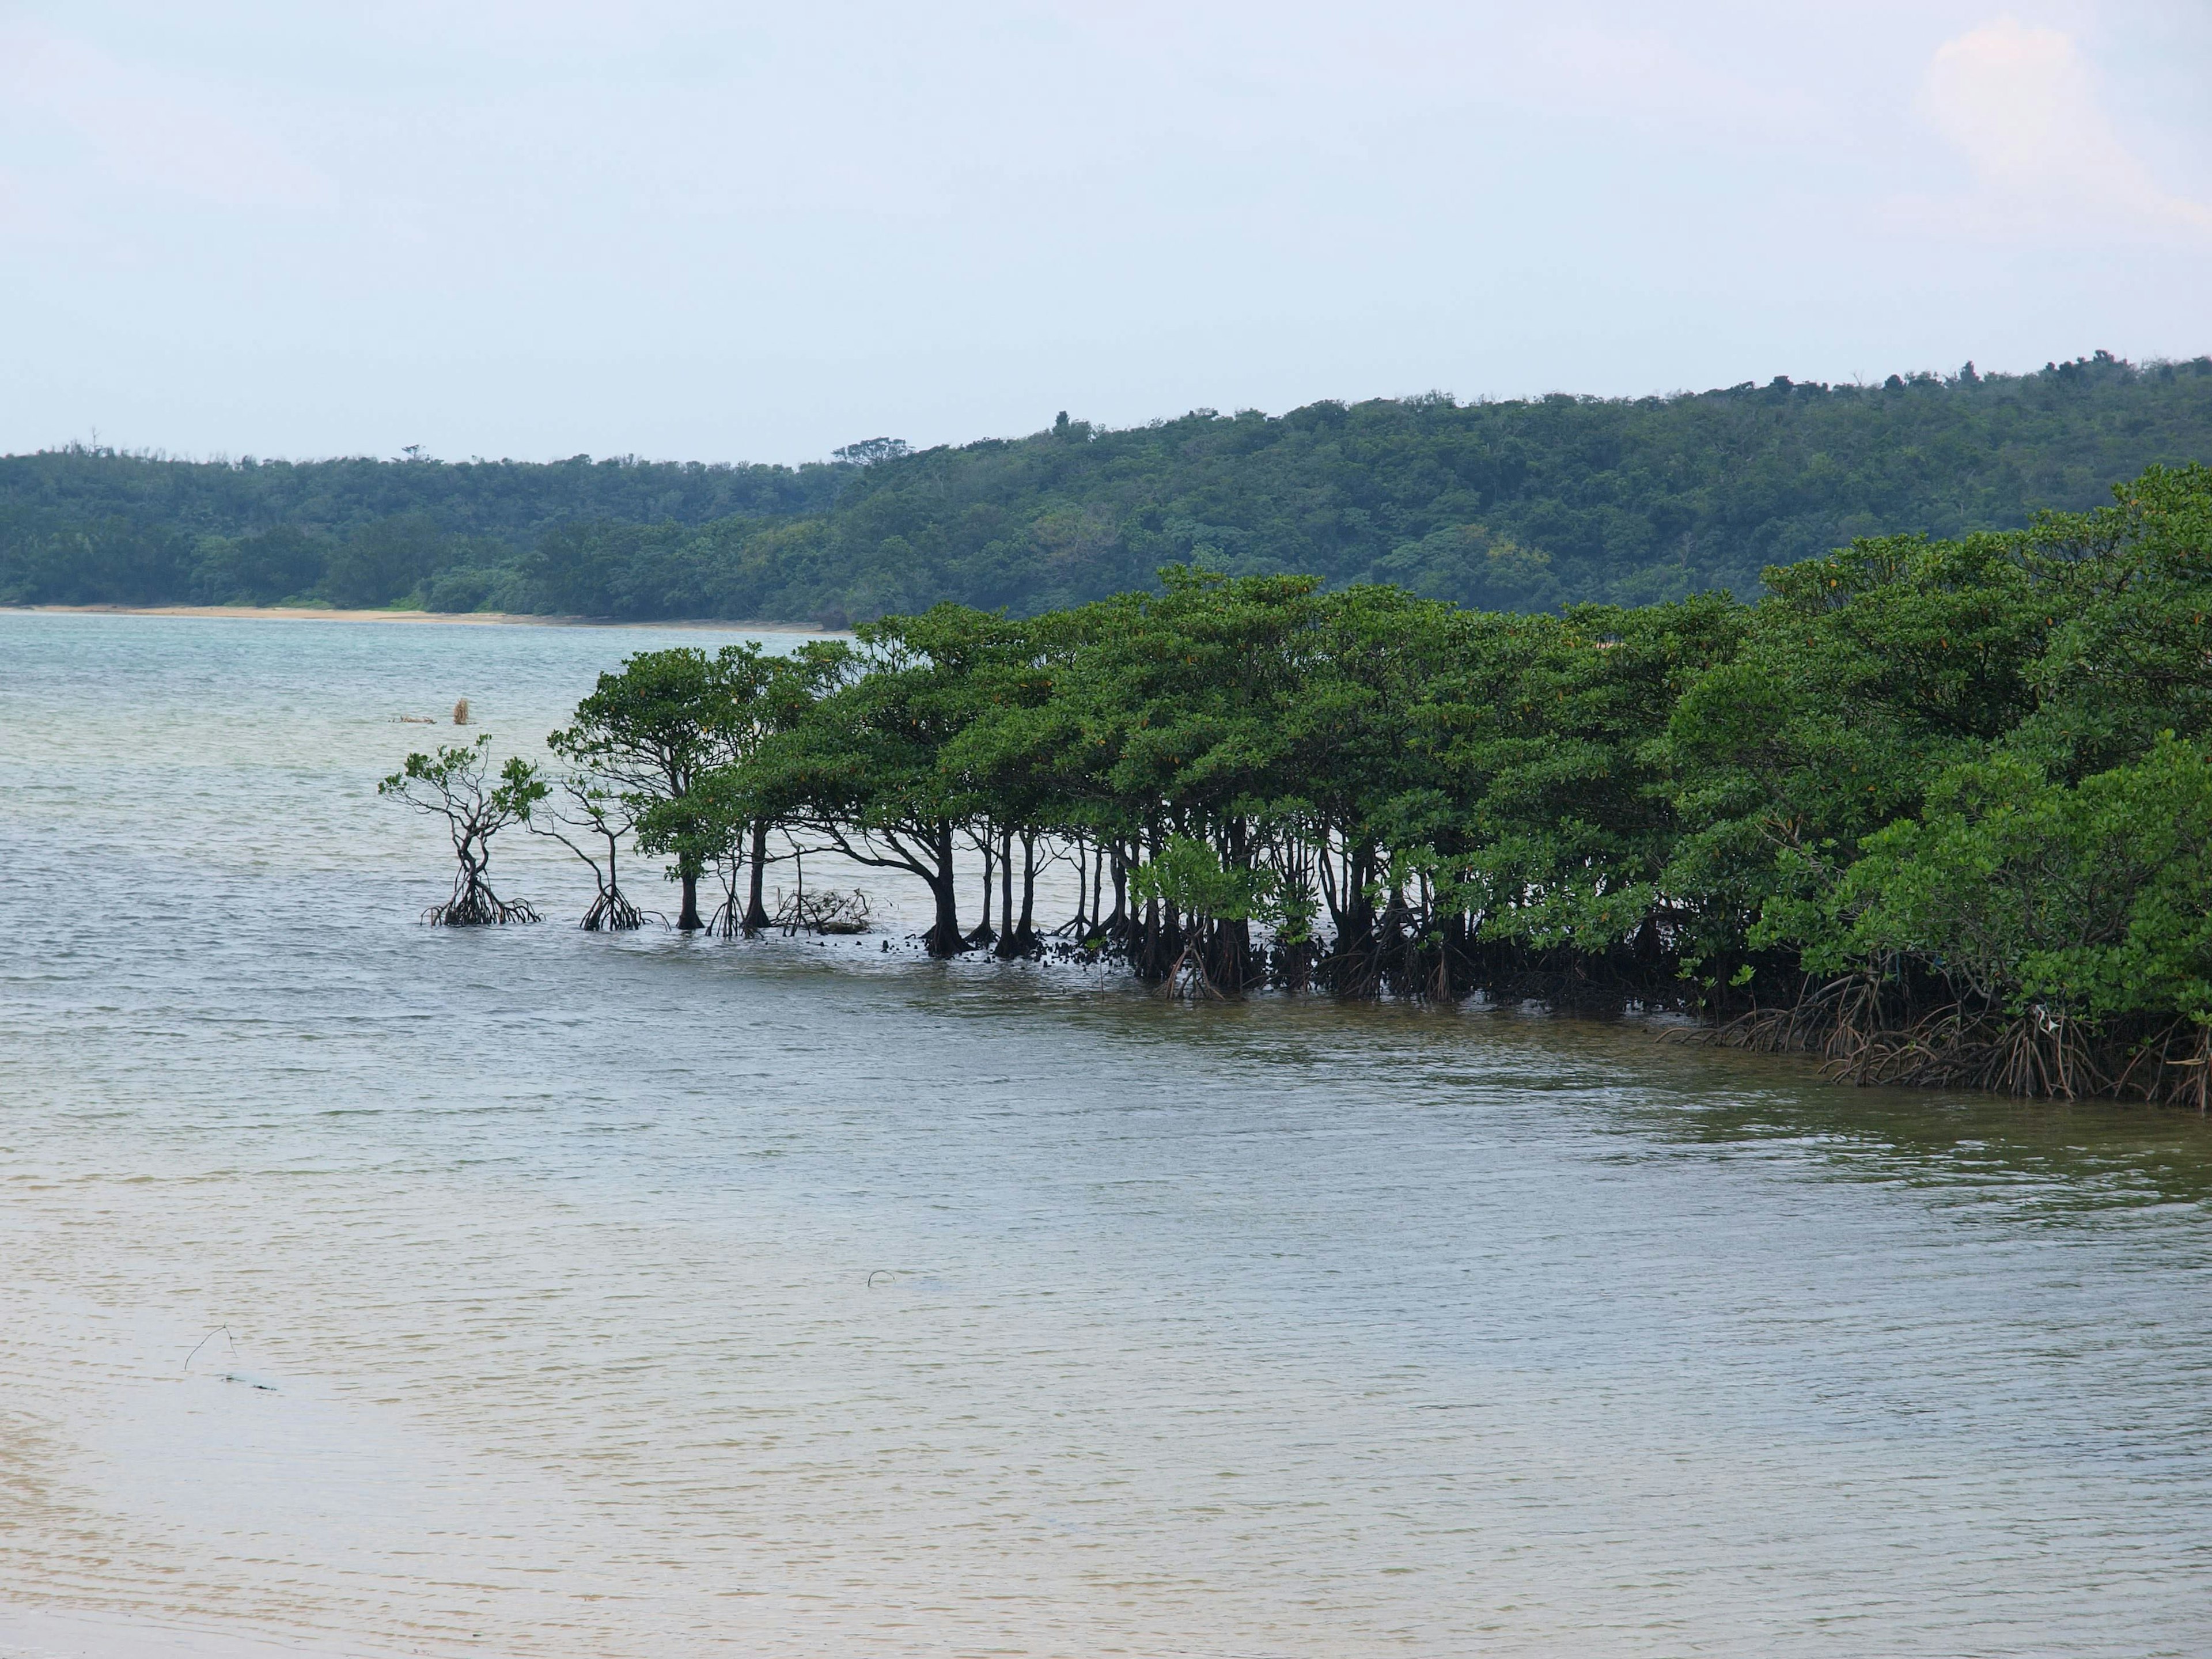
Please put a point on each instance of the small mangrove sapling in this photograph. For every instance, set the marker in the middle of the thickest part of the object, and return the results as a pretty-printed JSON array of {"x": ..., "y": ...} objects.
[
  {"x": 590, "y": 809},
  {"x": 456, "y": 783}
]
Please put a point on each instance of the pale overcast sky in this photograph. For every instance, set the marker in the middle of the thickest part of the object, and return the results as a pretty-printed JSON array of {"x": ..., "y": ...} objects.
[{"x": 725, "y": 231}]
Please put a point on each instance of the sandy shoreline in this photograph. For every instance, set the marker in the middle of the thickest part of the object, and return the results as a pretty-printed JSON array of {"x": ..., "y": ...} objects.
[
  {"x": 499, "y": 618},
  {"x": 28, "y": 1631}
]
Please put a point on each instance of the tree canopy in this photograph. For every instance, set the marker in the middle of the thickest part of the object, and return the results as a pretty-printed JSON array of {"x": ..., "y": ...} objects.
[
  {"x": 1523, "y": 506},
  {"x": 1939, "y": 808}
]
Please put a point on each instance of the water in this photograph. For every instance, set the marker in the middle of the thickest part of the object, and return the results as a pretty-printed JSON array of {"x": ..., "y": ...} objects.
[{"x": 630, "y": 1297}]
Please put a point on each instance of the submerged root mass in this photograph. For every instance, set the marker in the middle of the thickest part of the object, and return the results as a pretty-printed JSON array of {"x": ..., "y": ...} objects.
[
  {"x": 480, "y": 906},
  {"x": 1870, "y": 1033}
]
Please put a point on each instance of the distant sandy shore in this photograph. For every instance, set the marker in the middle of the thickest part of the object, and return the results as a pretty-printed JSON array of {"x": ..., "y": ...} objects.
[{"x": 311, "y": 613}]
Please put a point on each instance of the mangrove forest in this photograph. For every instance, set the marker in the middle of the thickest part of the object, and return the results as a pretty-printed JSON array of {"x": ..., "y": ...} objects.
[{"x": 1936, "y": 810}]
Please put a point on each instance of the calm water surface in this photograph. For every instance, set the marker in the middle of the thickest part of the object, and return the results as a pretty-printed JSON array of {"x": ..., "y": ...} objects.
[{"x": 646, "y": 1298}]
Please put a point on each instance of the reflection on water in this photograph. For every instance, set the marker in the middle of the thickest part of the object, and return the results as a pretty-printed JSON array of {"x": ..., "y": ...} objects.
[{"x": 640, "y": 1296}]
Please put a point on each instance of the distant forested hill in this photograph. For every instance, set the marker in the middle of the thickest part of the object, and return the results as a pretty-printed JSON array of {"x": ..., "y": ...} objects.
[{"x": 1520, "y": 505}]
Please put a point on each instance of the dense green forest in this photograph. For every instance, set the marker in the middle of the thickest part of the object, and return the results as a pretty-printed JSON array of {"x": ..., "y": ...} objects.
[
  {"x": 1519, "y": 506},
  {"x": 1939, "y": 810}
]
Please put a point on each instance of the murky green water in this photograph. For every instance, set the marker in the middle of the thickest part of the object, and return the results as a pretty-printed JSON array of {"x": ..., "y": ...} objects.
[{"x": 644, "y": 1297}]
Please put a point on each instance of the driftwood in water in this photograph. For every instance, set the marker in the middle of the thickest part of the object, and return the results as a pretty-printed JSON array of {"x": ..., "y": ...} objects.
[{"x": 825, "y": 910}]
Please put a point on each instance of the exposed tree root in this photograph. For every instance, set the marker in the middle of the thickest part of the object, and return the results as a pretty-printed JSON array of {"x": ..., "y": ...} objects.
[
  {"x": 612, "y": 913},
  {"x": 477, "y": 906},
  {"x": 1187, "y": 977},
  {"x": 1866, "y": 1032},
  {"x": 2176, "y": 1067},
  {"x": 1023, "y": 944}
]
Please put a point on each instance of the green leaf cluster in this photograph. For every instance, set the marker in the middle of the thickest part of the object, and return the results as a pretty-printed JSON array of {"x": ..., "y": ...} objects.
[
  {"x": 1976, "y": 763},
  {"x": 1980, "y": 760}
]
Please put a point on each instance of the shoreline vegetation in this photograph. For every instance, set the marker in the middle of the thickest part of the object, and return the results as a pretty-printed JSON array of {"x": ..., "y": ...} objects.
[
  {"x": 1522, "y": 505},
  {"x": 331, "y": 613},
  {"x": 1938, "y": 812}
]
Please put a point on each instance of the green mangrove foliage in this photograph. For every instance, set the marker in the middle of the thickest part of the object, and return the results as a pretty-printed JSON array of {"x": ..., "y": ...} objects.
[
  {"x": 455, "y": 782},
  {"x": 650, "y": 736},
  {"x": 1940, "y": 810}
]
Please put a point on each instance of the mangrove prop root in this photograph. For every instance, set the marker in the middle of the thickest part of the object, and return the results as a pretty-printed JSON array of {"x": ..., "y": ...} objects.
[
  {"x": 613, "y": 913},
  {"x": 479, "y": 907},
  {"x": 1870, "y": 1033},
  {"x": 1187, "y": 977},
  {"x": 1020, "y": 944}
]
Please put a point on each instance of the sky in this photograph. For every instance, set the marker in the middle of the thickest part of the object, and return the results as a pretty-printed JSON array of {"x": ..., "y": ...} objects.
[{"x": 736, "y": 232}]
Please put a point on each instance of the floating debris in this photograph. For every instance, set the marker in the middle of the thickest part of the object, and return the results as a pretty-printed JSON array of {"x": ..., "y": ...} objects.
[{"x": 824, "y": 911}]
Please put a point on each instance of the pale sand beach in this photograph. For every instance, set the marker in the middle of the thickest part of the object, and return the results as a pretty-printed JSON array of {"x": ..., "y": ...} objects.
[
  {"x": 44, "y": 1633},
  {"x": 316, "y": 613}
]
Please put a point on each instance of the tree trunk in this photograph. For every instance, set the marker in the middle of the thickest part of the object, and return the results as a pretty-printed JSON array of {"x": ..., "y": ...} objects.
[
  {"x": 687, "y": 919},
  {"x": 1028, "y": 929},
  {"x": 755, "y": 907},
  {"x": 943, "y": 940},
  {"x": 1021, "y": 936},
  {"x": 1082, "y": 883},
  {"x": 983, "y": 937},
  {"x": 1232, "y": 940},
  {"x": 1010, "y": 942}
]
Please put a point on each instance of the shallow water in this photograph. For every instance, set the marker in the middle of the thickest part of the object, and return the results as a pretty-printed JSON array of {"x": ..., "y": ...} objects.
[{"x": 645, "y": 1297}]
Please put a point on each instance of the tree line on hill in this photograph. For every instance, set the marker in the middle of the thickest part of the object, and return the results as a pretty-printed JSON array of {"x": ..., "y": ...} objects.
[
  {"x": 1938, "y": 810},
  {"x": 1522, "y": 506}
]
